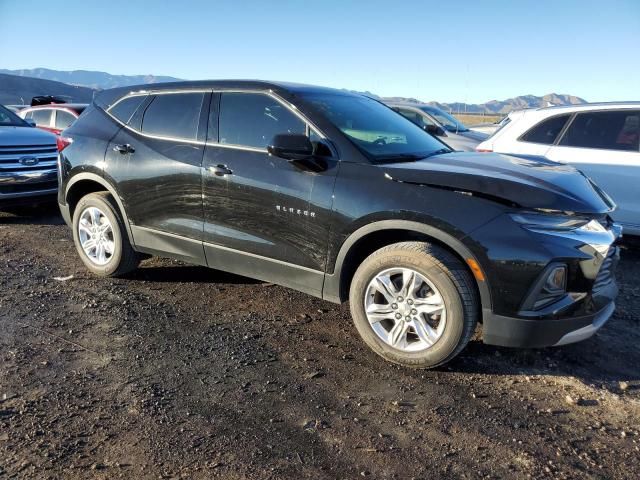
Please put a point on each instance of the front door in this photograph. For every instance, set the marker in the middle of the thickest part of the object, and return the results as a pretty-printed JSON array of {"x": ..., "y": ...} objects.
[{"x": 265, "y": 217}]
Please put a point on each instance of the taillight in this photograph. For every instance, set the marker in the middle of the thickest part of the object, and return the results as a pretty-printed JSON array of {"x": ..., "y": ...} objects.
[
  {"x": 483, "y": 150},
  {"x": 63, "y": 142}
]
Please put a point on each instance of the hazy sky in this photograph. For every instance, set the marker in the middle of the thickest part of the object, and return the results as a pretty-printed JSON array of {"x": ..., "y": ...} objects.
[{"x": 464, "y": 50}]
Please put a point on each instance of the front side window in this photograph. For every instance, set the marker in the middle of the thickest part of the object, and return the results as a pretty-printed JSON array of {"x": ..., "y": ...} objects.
[
  {"x": 64, "y": 119},
  {"x": 420, "y": 120},
  {"x": 449, "y": 122},
  {"x": 124, "y": 109},
  {"x": 604, "y": 130},
  {"x": 546, "y": 131},
  {"x": 173, "y": 115},
  {"x": 253, "y": 119},
  {"x": 375, "y": 129},
  {"x": 42, "y": 117}
]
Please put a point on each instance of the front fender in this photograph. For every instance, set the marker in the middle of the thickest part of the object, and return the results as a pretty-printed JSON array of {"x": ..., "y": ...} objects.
[{"x": 332, "y": 289}]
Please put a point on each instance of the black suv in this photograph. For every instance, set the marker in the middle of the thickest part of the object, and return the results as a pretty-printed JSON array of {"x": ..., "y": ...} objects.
[{"x": 338, "y": 196}]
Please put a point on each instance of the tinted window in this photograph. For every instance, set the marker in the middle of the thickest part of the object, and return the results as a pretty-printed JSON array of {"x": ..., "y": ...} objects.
[
  {"x": 605, "y": 130},
  {"x": 253, "y": 119},
  {"x": 64, "y": 119},
  {"x": 42, "y": 117},
  {"x": 124, "y": 109},
  {"x": 546, "y": 131},
  {"x": 174, "y": 115}
]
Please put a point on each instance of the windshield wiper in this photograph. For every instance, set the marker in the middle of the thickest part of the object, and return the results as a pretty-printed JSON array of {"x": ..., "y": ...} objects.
[
  {"x": 401, "y": 157},
  {"x": 439, "y": 152},
  {"x": 408, "y": 157}
]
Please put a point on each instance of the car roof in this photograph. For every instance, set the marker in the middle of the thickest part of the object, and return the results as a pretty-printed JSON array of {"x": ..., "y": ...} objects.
[
  {"x": 582, "y": 107},
  {"x": 108, "y": 97}
]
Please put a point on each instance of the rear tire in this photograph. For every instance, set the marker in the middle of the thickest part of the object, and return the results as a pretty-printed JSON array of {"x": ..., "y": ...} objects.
[
  {"x": 414, "y": 304},
  {"x": 96, "y": 221}
]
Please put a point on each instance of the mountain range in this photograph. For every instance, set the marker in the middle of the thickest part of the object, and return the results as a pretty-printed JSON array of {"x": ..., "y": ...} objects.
[
  {"x": 499, "y": 106},
  {"x": 88, "y": 78},
  {"x": 18, "y": 85}
]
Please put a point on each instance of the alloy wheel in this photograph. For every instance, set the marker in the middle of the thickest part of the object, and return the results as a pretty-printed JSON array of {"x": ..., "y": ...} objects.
[
  {"x": 405, "y": 309},
  {"x": 95, "y": 233}
]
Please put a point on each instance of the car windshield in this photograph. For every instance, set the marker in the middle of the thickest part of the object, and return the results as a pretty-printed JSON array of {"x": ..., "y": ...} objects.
[
  {"x": 10, "y": 119},
  {"x": 449, "y": 122},
  {"x": 382, "y": 134}
]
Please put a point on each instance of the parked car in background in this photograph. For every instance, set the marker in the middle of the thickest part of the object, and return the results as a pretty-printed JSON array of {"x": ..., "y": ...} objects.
[
  {"x": 28, "y": 162},
  {"x": 440, "y": 124},
  {"x": 334, "y": 194},
  {"x": 53, "y": 117},
  {"x": 602, "y": 140}
]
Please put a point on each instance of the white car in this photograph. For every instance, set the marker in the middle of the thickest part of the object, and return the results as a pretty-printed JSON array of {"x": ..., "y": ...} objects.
[{"x": 601, "y": 139}]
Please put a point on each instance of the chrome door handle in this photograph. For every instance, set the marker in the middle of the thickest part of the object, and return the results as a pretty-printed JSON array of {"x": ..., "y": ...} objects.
[{"x": 220, "y": 170}]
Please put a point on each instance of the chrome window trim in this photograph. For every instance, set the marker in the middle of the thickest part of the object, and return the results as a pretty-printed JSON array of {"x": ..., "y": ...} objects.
[{"x": 291, "y": 107}]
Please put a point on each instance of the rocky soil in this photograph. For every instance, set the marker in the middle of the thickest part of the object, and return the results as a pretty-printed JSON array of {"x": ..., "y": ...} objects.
[{"x": 184, "y": 372}]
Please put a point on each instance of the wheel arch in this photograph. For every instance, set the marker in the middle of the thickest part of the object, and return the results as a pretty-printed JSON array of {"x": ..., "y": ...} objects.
[
  {"x": 85, "y": 183},
  {"x": 369, "y": 238}
]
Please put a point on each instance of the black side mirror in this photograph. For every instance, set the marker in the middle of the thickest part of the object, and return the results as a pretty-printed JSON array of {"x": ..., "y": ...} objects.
[
  {"x": 291, "y": 146},
  {"x": 436, "y": 130}
]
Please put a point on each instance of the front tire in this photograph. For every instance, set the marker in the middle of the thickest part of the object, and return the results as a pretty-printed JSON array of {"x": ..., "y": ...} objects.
[
  {"x": 414, "y": 304},
  {"x": 100, "y": 236}
]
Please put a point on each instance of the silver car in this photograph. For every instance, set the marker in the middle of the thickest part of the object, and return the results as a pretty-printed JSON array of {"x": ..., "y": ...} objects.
[{"x": 444, "y": 126}]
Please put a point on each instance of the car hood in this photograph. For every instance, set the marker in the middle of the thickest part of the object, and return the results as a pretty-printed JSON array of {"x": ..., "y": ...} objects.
[
  {"x": 528, "y": 182},
  {"x": 472, "y": 135},
  {"x": 20, "y": 136}
]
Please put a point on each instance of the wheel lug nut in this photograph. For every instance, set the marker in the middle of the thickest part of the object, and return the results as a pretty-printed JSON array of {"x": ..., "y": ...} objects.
[
  {"x": 394, "y": 306},
  {"x": 410, "y": 302},
  {"x": 399, "y": 299},
  {"x": 414, "y": 311},
  {"x": 398, "y": 316},
  {"x": 407, "y": 318}
]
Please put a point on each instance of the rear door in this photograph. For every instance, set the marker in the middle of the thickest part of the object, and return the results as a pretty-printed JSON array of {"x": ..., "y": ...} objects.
[
  {"x": 155, "y": 162},
  {"x": 265, "y": 217},
  {"x": 605, "y": 146}
]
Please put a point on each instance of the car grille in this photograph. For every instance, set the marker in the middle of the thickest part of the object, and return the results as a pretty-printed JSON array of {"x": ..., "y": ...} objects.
[
  {"x": 607, "y": 272},
  {"x": 28, "y": 158}
]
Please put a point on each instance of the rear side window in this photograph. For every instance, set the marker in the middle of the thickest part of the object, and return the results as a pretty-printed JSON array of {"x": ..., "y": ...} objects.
[
  {"x": 546, "y": 131},
  {"x": 604, "y": 130},
  {"x": 253, "y": 119},
  {"x": 174, "y": 115},
  {"x": 64, "y": 119},
  {"x": 42, "y": 117},
  {"x": 124, "y": 109}
]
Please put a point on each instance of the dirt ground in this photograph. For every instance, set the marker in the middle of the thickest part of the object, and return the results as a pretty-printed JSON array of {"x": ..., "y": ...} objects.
[{"x": 185, "y": 372}]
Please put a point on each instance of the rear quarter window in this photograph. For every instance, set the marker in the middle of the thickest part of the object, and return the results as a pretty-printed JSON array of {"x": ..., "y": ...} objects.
[{"x": 546, "y": 132}]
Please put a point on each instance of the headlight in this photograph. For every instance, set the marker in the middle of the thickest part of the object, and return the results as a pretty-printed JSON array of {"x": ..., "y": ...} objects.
[{"x": 557, "y": 222}]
